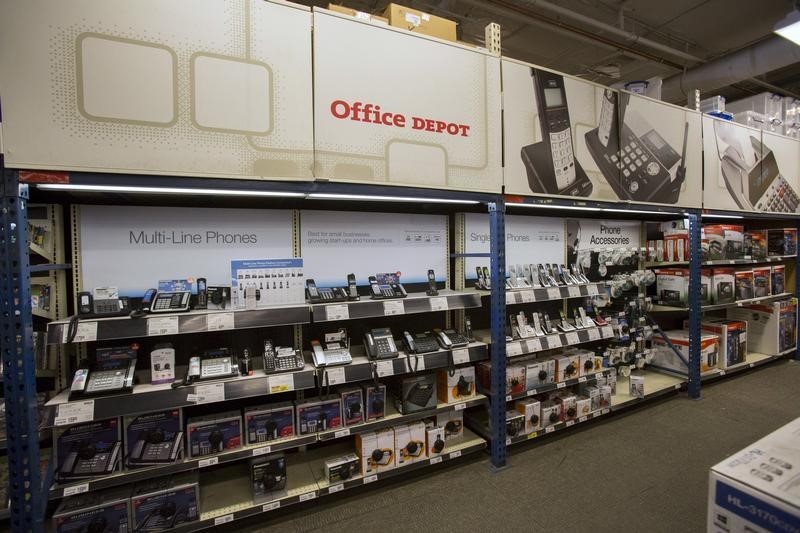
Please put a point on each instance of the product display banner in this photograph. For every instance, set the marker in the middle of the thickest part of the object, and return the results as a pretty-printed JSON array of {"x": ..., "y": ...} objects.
[
  {"x": 132, "y": 248},
  {"x": 528, "y": 240},
  {"x": 334, "y": 244}
]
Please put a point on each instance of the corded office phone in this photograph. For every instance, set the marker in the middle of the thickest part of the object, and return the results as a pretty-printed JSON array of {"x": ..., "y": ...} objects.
[
  {"x": 386, "y": 285},
  {"x": 113, "y": 371},
  {"x": 217, "y": 363},
  {"x": 165, "y": 516},
  {"x": 89, "y": 459},
  {"x": 420, "y": 342},
  {"x": 379, "y": 344},
  {"x": 550, "y": 163},
  {"x": 316, "y": 294},
  {"x": 282, "y": 358},
  {"x": 637, "y": 168},
  {"x": 170, "y": 301},
  {"x": 105, "y": 301},
  {"x": 156, "y": 446},
  {"x": 450, "y": 338},
  {"x": 336, "y": 350}
]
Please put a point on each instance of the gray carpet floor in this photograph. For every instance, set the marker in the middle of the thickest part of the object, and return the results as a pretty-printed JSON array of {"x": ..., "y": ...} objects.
[{"x": 645, "y": 469}]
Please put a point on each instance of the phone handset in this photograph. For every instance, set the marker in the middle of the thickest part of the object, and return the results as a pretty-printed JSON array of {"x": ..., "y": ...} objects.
[
  {"x": 374, "y": 287},
  {"x": 433, "y": 290},
  {"x": 144, "y": 307},
  {"x": 79, "y": 381},
  {"x": 192, "y": 373},
  {"x": 352, "y": 288},
  {"x": 318, "y": 354},
  {"x": 409, "y": 340},
  {"x": 444, "y": 340},
  {"x": 311, "y": 288},
  {"x": 202, "y": 294},
  {"x": 551, "y": 98},
  {"x": 608, "y": 116}
]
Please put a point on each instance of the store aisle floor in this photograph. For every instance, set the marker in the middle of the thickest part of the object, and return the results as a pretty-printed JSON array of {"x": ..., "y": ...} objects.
[{"x": 645, "y": 470}]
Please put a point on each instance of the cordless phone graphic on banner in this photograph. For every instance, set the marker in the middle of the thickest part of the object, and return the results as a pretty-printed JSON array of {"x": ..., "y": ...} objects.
[
  {"x": 638, "y": 168},
  {"x": 551, "y": 164}
]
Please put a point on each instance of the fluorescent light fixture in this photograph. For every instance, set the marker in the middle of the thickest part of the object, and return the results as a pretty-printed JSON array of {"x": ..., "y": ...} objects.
[
  {"x": 378, "y": 198},
  {"x": 566, "y": 207},
  {"x": 638, "y": 211},
  {"x": 164, "y": 190},
  {"x": 712, "y": 215},
  {"x": 789, "y": 27}
]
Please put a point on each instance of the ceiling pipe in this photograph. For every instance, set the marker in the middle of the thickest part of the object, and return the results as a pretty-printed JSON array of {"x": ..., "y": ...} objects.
[{"x": 770, "y": 54}]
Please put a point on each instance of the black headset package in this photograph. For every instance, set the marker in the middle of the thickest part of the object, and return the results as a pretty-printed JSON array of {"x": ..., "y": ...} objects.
[
  {"x": 165, "y": 503},
  {"x": 107, "y": 511},
  {"x": 268, "y": 476},
  {"x": 154, "y": 438}
]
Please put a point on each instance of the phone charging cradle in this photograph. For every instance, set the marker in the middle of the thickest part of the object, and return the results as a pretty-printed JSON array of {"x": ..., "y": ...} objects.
[{"x": 541, "y": 174}]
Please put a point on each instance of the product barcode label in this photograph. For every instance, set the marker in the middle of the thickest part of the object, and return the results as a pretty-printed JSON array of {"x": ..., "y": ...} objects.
[
  {"x": 455, "y": 454},
  {"x": 511, "y": 298},
  {"x": 211, "y": 393},
  {"x": 592, "y": 290},
  {"x": 211, "y": 461},
  {"x": 162, "y": 325},
  {"x": 334, "y": 376},
  {"x": 336, "y": 488},
  {"x": 532, "y": 392},
  {"x": 513, "y": 348},
  {"x": 436, "y": 460},
  {"x": 508, "y": 441},
  {"x": 370, "y": 479},
  {"x": 605, "y": 411},
  {"x": 342, "y": 433},
  {"x": 261, "y": 450},
  {"x": 561, "y": 385},
  {"x": 278, "y": 384},
  {"x": 533, "y": 345},
  {"x": 337, "y": 312},
  {"x": 594, "y": 334},
  {"x": 393, "y": 307},
  {"x": 532, "y": 435},
  {"x": 74, "y": 413},
  {"x": 722, "y": 372},
  {"x": 307, "y": 496},
  {"x": 271, "y": 506},
  {"x": 553, "y": 341},
  {"x": 508, "y": 398},
  {"x": 570, "y": 423},
  {"x": 223, "y": 519},
  {"x": 582, "y": 379},
  {"x": 608, "y": 331},
  {"x": 219, "y": 321},
  {"x": 77, "y": 489},
  {"x": 438, "y": 303}
]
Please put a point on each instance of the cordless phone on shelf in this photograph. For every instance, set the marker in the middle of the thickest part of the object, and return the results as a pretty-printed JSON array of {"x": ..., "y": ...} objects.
[
  {"x": 432, "y": 289},
  {"x": 281, "y": 358},
  {"x": 113, "y": 371}
]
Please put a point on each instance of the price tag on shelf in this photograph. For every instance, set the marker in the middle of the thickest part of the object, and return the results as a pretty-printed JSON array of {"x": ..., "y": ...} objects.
[
  {"x": 561, "y": 384},
  {"x": 219, "y": 321},
  {"x": 162, "y": 325},
  {"x": 532, "y": 435},
  {"x": 582, "y": 419},
  {"x": 76, "y": 489},
  {"x": 460, "y": 356},
  {"x": 385, "y": 368},
  {"x": 533, "y": 345},
  {"x": 393, "y": 307},
  {"x": 511, "y": 298},
  {"x": 218, "y": 521},
  {"x": 436, "y": 460},
  {"x": 307, "y": 496},
  {"x": 271, "y": 506},
  {"x": 605, "y": 411},
  {"x": 594, "y": 334},
  {"x": 261, "y": 450},
  {"x": 508, "y": 441},
  {"x": 549, "y": 429},
  {"x": 439, "y": 303},
  {"x": 74, "y": 413},
  {"x": 531, "y": 392},
  {"x": 553, "y": 341},
  {"x": 722, "y": 372},
  {"x": 280, "y": 383},
  {"x": 508, "y": 398},
  {"x": 460, "y": 406},
  {"x": 370, "y": 479},
  {"x": 607, "y": 331},
  {"x": 592, "y": 289},
  {"x": 527, "y": 296},
  {"x": 213, "y": 392},
  {"x": 553, "y": 293},
  {"x": 336, "y": 488},
  {"x": 582, "y": 379},
  {"x": 85, "y": 332},
  {"x": 513, "y": 348},
  {"x": 573, "y": 338},
  {"x": 334, "y": 376},
  {"x": 569, "y": 423},
  {"x": 456, "y": 454},
  {"x": 211, "y": 461},
  {"x": 337, "y": 312},
  {"x": 573, "y": 291},
  {"x": 341, "y": 433}
]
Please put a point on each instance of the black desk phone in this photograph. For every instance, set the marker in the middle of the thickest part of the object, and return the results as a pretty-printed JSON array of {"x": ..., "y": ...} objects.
[
  {"x": 104, "y": 302},
  {"x": 420, "y": 342},
  {"x": 637, "y": 168},
  {"x": 217, "y": 363},
  {"x": 282, "y": 358},
  {"x": 380, "y": 344},
  {"x": 386, "y": 285},
  {"x": 450, "y": 338},
  {"x": 316, "y": 294},
  {"x": 155, "y": 446},
  {"x": 89, "y": 459},
  {"x": 169, "y": 301},
  {"x": 551, "y": 164},
  {"x": 112, "y": 372}
]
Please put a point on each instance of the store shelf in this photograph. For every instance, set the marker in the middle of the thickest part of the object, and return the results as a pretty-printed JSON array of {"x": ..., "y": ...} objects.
[
  {"x": 147, "y": 398},
  {"x": 548, "y": 294},
  {"x": 550, "y": 342},
  {"x": 40, "y": 251},
  {"x": 742, "y": 303},
  {"x": 189, "y": 322},
  {"x": 41, "y": 313},
  {"x": 589, "y": 380},
  {"x": 753, "y": 360},
  {"x": 227, "y": 496},
  {"x": 723, "y": 262},
  {"x": 413, "y": 303}
]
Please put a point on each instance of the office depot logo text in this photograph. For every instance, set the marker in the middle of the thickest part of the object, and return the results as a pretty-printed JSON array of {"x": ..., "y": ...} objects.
[{"x": 361, "y": 112}]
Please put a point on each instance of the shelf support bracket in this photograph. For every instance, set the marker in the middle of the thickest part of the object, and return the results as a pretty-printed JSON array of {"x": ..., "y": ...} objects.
[
  {"x": 695, "y": 305},
  {"x": 497, "y": 262}
]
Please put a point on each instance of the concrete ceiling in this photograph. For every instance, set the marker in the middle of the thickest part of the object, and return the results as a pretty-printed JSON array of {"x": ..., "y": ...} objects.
[{"x": 706, "y": 29}]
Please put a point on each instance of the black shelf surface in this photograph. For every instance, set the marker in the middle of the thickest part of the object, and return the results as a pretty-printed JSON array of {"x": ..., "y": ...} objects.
[
  {"x": 549, "y": 294},
  {"x": 549, "y": 342},
  {"x": 412, "y": 304}
]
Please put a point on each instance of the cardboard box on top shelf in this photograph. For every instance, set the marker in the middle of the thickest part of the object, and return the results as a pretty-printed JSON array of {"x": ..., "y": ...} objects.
[
  {"x": 420, "y": 22},
  {"x": 358, "y": 14}
]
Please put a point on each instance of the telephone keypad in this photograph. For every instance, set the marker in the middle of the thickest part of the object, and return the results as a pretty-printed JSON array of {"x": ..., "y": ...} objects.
[
  {"x": 157, "y": 452},
  {"x": 101, "y": 380},
  {"x": 779, "y": 197},
  {"x": 216, "y": 367},
  {"x": 383, "y": 345},
  {"x": 563, "y": 161}
]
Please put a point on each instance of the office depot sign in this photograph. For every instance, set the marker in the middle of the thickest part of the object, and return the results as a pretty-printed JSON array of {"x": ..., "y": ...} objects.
[{"x": 404, "y": 109}]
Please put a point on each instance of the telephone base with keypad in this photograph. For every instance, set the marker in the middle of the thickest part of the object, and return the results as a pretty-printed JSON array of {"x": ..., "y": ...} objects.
[{"x": 541, "y": 174}]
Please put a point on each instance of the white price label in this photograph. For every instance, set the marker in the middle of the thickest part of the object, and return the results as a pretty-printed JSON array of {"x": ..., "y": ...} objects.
[
  {"x": 460, "y": 406},
  {"x": 573, "y": 338},
  {"x": 211, "y": 461},
  {"x": 573, "y": 291},
  {"x": 439, "y": 303},
  {"x": 191, "y": 398},
  {"x": 162, "y": 325},
  {"x": 436, "y": 460},
  {"x": 508, "y": 441},
  {"x": 532, "y": 392},
  {"x": 307, "y": 496},
  {"x": 549, "y": 429},
  {"x": 341, "y": 433},
  {"x": 394, "y": 307},
  {"x": 570, "y": 423},
  {"x": 455, "y": 454},
  {"x": 582, "y": 419},
  {"x": 278, "y": 384},
  {"x": 739, "y": 304},
  {"x": 85, "y": 332},
  {"x": 594, "y": 334},
  {"x": 460, "y": 356},
  {"x": 218, "y": 521},
  {"x": 77, "y": 489},
  {"x": 335, "y": 376},
  {"x": 211, "y": 393},
  {"x": 607, "y": 331},
  {"x": 508, "y": 398},
  {"x": 271, "y": 506},
  {"x": 752, "y": 365},
  {"x": 605, "y": 411},
  {"x": 370, "y": 479},
  {"x": 527, "y": 296},
  {"x": 262, "y": 450},
  {"x": 74, "y": 413},
  {"x": 385, "y": 368},
  {"x": 553, "y": 293},
  {"x": 722, "y": 372},
  {"x": 511, "y": 298},
  {"x": 561, "y": 384},
  {"x": 582, "y": 379},
  {"x": 553, "y": 341},
  {"x": 533, "y": 345},
  {"x": 592, "y": 290},
  {"x": 219, "y": 321},
  {"x": 337, "y": 312},
  {"x": 513, "y": 348},
  {"x": 336, "y": 488}
]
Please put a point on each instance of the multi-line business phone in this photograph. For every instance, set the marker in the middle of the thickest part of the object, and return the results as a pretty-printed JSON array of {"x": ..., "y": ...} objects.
[
  {"x": 113, "y": 371},
  {"x": 421, "y": 342},
  {"x": 316, "y": 294},
  {"x": 551, "y": 164},
  {"x": 218, "y": 363},
  {"x": 89, "y": 459},
  {"x": 379, "y": 344},
  {"x": 102, "y": 302},
  {"x": 386, "y": 285},
  {"x": 335, "y": 352},
  {"x": 450, "y": 338},
  {"x": 155, "y": 445},
  {"x": 164, "y": 516},
  {"x": 282, "y": 358}
]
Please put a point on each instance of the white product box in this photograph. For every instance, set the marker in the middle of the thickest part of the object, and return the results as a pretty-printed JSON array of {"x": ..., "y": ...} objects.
[
  {"x": 459, "y": 386},
  {"x": 532, "y": 411},
  {"x": 756, "y": 488},
  {"x": 402, "y": 437},
  {"x": 636, "y": 386},
  {"x": 666, "y": 358},
  {"x": 366, "y": 444},
  {"x": 162, "y": 364},
  {"x": 584, "y": 406},
  {"x": 452, "y": 422},
  {"x": 538, "y": 373},
  {"x": 771, "y": 328},
  {"x": 551, "y": 413},
  {"x": 434, "y": 438},
  {"x": 568, "y": 367}
]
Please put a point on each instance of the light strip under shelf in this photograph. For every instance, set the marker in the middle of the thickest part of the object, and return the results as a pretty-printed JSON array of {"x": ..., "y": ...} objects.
[
  {"x": 379, "y": 198},
  {"x": 712, "y": 215},
  {"x": 164, "y": 190}
]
